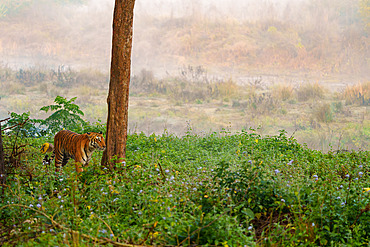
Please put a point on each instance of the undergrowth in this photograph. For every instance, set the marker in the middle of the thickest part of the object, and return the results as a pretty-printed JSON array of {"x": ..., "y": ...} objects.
[{"x": 219, "y": 189}]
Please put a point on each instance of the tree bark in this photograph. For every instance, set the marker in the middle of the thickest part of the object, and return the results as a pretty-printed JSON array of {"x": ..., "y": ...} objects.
[
  {"x": 2, "y": 162},
  {"x": 118, "y": 95}
]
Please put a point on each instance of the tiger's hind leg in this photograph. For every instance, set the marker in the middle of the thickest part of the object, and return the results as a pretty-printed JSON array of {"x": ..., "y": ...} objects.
[
  {"x": 60, "y": 160},
  {"x": 65, "y": 160}
]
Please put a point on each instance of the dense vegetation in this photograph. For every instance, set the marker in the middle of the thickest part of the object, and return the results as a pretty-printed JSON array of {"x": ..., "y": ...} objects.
[{"x": 219, "y": 189}]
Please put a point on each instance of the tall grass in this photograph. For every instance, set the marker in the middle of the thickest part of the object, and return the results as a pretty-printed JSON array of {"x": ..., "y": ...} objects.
[
  {"x": 357, "y": 94},
  {"x": 212, "y": 103},
  {"x": 310, "y": 91},
  {"x": 323, "y": 113},
  {"x": 191, "y": 85},
  {"x": 283, "y": 92}
]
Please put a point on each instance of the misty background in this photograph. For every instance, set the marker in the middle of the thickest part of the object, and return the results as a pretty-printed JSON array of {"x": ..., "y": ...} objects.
[
  {"x": 173, "y": 33},
  {"x": 253, "y": 58}
]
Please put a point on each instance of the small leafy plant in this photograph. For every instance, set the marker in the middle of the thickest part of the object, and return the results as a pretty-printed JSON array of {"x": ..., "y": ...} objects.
[{"x": 66, "y": 115}]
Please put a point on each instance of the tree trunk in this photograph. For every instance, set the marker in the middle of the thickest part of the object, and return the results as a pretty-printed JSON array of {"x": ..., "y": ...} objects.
[
  {"x": 119, "y": 82},
  {"x": 2, "y": 163}
]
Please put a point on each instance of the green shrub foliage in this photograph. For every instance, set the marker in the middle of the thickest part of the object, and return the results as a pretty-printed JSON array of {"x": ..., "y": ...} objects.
[
  {"x": 219, "y": 189},
  {"x": 66, "y": 115}
]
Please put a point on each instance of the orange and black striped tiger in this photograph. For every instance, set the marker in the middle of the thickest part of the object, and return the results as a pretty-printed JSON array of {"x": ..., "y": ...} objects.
[{"x": 68, "y": 144}]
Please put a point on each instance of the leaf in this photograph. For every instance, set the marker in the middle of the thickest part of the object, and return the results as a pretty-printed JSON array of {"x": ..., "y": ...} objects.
[
  {"x": 44, "y": 108},
  {"x": 60, "y": 100},
  {"x": 258, "y": 215},
  {"x": 55, "y": 107},
  {"x": 249, "y": 213}
]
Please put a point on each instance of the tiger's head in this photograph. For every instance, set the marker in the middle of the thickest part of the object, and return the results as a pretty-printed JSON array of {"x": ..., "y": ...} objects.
[{"x": 96, "y": 140}]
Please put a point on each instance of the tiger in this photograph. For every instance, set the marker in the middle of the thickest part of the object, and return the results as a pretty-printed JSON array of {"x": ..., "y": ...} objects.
[{"x": 68, "y": 144}]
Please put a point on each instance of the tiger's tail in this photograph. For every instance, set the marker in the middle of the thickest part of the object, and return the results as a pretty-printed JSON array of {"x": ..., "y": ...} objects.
[{"x": 47, "y": 148}]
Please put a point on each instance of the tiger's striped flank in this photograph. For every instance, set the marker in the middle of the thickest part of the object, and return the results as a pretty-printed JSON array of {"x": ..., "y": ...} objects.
[{"x": 79, "y": 147}]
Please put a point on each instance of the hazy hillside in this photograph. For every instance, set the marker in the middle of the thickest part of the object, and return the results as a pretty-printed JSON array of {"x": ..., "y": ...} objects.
[{"x": 276, "y": 36}]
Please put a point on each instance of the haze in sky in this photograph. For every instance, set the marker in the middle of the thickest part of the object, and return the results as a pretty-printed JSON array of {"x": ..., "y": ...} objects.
[
  {"x": 172, "y": 33},
  {"x": 91, "y": 24}
]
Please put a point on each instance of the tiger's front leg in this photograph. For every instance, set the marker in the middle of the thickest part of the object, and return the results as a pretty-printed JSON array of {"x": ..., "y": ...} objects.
[
  {"x": 80, "y": 163},
  {"x": 83, "y": 161},
  {"x": 78, "y": 166}
]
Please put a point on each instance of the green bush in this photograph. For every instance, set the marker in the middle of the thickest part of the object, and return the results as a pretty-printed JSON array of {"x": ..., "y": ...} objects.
[
  {"x": 30, "y": 77},
  {"x": 23, "y": 125},
  {"x": 67, "y": 115},
  {"x": 219, "y": 189}
]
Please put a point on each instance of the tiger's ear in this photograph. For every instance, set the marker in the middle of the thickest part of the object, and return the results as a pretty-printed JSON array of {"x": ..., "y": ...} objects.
[
  {"x": 101, "y": 132},
  {"x": 89, "y": 135}
]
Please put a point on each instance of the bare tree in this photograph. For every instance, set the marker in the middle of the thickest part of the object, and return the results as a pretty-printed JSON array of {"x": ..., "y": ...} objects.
[{"x": 119, "y": 82}]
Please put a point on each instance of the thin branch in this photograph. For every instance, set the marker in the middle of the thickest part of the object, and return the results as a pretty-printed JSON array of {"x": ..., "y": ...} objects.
[
  {"x": 164, "y": 176},
  {"x": 293, "y": 134},
  {"x": 16, "y": 125},
  {"x": 105, "y": 223},
  {"x": 3, "y": 120},
  {"x": 366, "y": 209},
  {"x": 150, "y": 230}
]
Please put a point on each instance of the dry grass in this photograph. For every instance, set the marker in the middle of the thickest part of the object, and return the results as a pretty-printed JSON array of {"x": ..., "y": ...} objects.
[
  {"x": 323, "y": 113},
  {"x": 191, "y": 85},
  {"x": 283, "y": 91},
  {"x": 357, "y": 94},
  {"x": 19, "y": 104},
  {"x": 10, "y": 87},
  {"x": 310, "y": 91},
  {"x": 225, "y": 89},
  {"x": 211, "y": 104}
]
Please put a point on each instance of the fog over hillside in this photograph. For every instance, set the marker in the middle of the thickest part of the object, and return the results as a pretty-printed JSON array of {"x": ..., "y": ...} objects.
[{"x": 227, "y": 35}]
